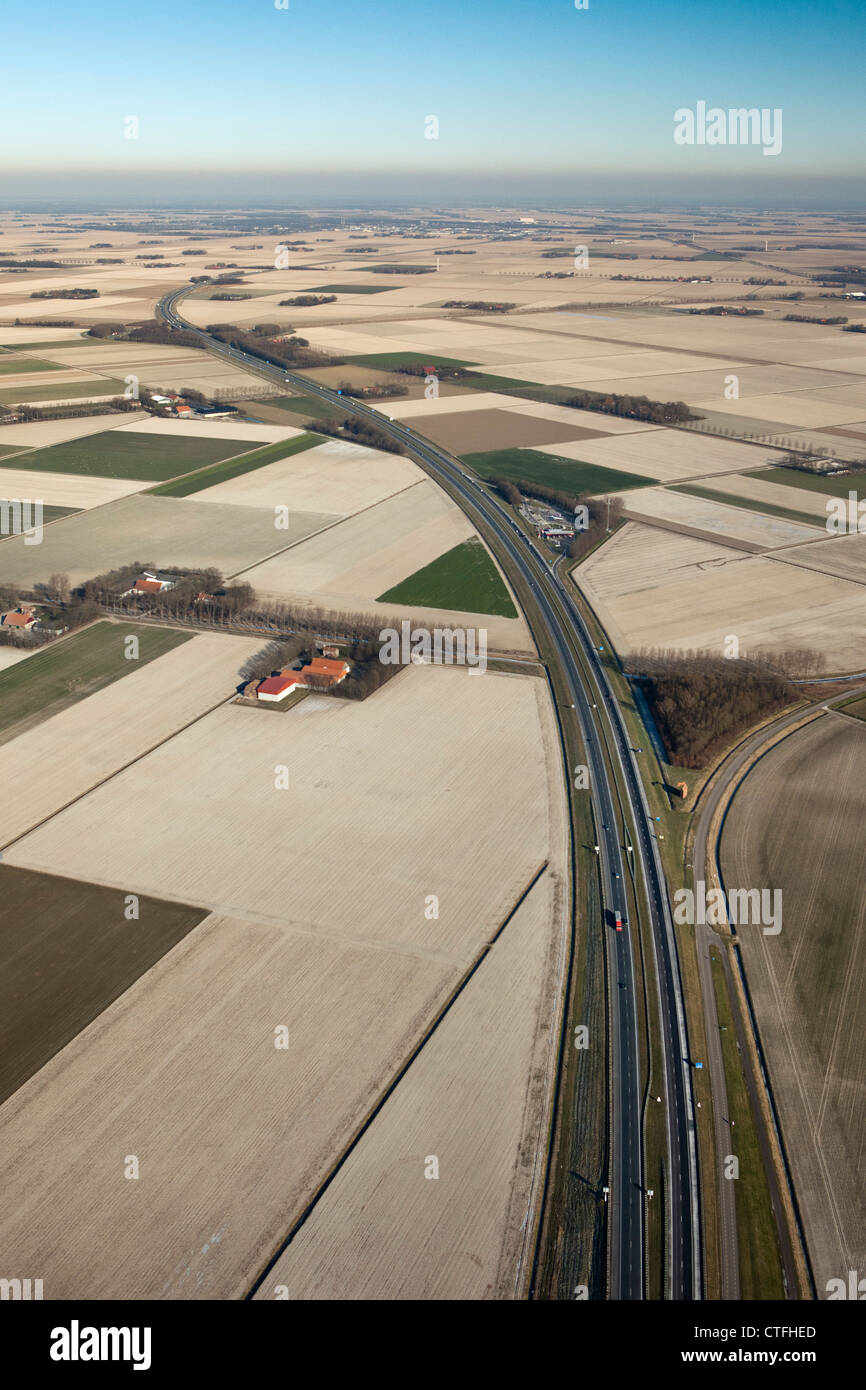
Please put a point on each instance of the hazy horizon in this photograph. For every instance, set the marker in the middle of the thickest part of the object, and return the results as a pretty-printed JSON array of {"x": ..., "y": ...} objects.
[{"x": 499, "y": 102}]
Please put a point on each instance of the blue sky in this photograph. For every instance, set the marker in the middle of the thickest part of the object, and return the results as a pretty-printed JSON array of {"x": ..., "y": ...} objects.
[{"x": 333, "y": 86}]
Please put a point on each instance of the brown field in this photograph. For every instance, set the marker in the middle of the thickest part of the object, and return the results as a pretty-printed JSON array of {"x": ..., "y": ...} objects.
[
  {"x": 469, "y": 431},
  {"x": 67, "y": 951},
  {"x": 796, "y": 824},
  {"x": 74, "y": 750}
]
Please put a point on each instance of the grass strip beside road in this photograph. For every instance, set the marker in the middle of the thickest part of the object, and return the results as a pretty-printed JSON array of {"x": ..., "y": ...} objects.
[{"x": 760, "y": 1261}]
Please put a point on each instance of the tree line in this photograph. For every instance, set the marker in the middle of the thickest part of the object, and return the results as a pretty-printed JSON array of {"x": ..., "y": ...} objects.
[
  {"x": 359, "y": 431},
  {"x": 289, "y": 352},
  {"x": 701, "y": 702}
]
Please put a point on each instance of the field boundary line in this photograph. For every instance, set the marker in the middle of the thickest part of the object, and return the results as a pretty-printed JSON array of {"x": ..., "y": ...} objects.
[
  {"x": 391, "y": 1087},
  {"x": 109, "y": 777}
]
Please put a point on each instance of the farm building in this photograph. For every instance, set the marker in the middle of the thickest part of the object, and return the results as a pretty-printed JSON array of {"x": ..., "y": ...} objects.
[
  {"x": 151, "y": 582},
  {"x": 321, "y": 673},
  {"x": 22, "y": 619},
  {"x": 336, "y": 671},
  {"x": 276, "y": 688}
]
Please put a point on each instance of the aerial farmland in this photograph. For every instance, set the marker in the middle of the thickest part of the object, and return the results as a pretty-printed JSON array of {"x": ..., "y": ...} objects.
[{"x": 324, "y": 960}]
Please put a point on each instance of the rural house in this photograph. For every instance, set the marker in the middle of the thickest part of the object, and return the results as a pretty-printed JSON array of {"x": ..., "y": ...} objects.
[
  {"x": 150, "y": 583},
  {"x": 22, "y": 619}
]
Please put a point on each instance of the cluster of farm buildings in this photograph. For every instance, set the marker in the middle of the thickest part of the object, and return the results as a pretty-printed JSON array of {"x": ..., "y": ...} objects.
[
  {"x": 320, "y": 673},
  {"x": 175, "y": 404}
]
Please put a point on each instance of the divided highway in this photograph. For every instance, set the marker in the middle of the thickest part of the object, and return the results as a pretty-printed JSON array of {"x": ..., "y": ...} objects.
[{"x": 595, "y": 708}]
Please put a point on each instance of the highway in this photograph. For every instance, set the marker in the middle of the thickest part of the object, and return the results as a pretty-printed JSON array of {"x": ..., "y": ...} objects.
[{"x": 601, "y": 725}]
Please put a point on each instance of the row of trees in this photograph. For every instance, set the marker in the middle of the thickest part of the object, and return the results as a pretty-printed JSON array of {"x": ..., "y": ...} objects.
[
  {"x": 487, "y": 306},
  {"x": 287, "y": 352},
  {"x": 700, "y": 702},
  {"x": 717, "y": 310},
  {"x": 45, "y": 323},
  {"x": 70, "y": 411},
  {"x": 809, "y": 463},
  {"x": 359, "y": 432},
  {"x": 385, "y": 390},
  {"x": 305, "y": 301},
  {"x": 148, "y": 332},
  {"x": 610, "y": 403},
  {"x": 444, "y": 372},
  {"x": 65, "y": 294},
  {"x": 181, "y": 601}
]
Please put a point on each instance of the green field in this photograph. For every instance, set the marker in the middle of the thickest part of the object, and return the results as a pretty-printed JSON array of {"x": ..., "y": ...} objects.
[
  {"x": 128, "y": 454},
  {"x": 313, "y": 406},
  {"x": 67, "y": 951},
  {"x": 512, "y": 386},
  {"x": 50, "y": 347},
  {"x": 351, "y": 289},
  {"x": 856, "y": 707},
  {"x": 234, "y": 467},
  {"x": 26, "y": 364},
  {"x": 569, "y": 475},
  {"x": 759, "y": 1259},
  {"x": 748, "y": 504},
  {"x": 63, "y": 391},
  {"x": 812, "y": 482},
  {"x": 464, "y": 579},
  {"x": 10, "y": 449},
  {"x": 69, "y": 670},
  {"x": 49, "y": 513},
  {"x": 393, "y": 361}
]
